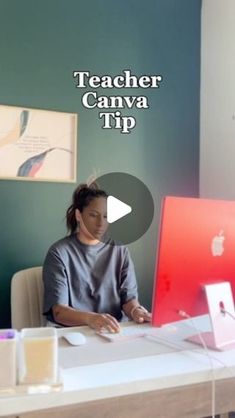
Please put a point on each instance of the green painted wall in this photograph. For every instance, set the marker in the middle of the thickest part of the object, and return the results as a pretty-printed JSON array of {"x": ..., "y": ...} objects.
[{"x": 41, "y": 43}]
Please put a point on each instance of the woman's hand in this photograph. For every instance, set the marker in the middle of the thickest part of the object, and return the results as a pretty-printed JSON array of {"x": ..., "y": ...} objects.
[
  {"x": 103, "y": 322},
  {"x": 139, "y": 314},
  {"x": 136, "y": 312}
]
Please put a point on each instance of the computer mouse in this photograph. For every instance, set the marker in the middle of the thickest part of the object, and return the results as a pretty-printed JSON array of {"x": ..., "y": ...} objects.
[{"x": 75, "y": 338}]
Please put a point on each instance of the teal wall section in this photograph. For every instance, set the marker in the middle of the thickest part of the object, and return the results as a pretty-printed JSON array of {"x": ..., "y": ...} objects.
[{"x": 41, "y": 43}]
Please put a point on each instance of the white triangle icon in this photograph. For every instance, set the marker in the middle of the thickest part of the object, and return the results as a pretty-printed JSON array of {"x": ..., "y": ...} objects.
[{"x": 116, "y": 209}]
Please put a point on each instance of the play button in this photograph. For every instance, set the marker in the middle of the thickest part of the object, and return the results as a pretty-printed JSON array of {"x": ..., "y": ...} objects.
[
  {"x": 130, "y": 207},
  {"x": 116, "y": 209}
]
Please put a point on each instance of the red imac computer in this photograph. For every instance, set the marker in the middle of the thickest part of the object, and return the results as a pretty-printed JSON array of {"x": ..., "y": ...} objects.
[{"x": 195, "y": 266}]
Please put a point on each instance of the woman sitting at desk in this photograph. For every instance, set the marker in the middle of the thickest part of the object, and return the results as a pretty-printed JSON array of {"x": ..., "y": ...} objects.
[{"x": 87, "y": 281}]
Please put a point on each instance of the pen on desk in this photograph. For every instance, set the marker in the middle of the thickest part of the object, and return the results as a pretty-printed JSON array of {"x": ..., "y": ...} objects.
[
  {"x": 154, "y": 338},
  {"x": 164, "y": 341}
]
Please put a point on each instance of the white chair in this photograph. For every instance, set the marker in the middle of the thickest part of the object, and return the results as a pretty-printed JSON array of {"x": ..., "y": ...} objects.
[{"x": 27, "y": 299}]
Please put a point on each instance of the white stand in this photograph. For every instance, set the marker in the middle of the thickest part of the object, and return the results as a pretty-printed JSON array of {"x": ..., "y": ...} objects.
[{"x": 219, "y": 298}]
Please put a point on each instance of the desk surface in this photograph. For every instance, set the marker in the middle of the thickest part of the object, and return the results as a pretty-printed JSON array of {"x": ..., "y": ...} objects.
[{"x": 103, "y": 372}]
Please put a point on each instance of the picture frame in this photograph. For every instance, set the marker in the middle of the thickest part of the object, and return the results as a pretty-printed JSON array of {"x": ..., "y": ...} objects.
[{"x": 37, "y": 144}]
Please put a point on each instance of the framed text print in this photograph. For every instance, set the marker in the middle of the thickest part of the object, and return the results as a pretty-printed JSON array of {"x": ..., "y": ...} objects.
[{"x": 37, "y": 144}]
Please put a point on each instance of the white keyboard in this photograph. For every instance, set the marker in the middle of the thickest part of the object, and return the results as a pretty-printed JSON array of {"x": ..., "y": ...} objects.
[{"x": 128, "y": 332}]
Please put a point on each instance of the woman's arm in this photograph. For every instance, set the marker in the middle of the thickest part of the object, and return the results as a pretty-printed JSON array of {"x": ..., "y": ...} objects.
[
  {"x": 129, "y": 294},
  {"x": 66, "y": 315},
  {"x": 136, "y": 312}
]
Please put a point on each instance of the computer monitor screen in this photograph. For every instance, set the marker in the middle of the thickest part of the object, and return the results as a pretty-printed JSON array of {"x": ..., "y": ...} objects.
[{"x": 196, "y": 247}]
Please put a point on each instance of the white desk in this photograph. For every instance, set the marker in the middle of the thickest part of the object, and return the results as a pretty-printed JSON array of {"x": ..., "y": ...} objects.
[{"x": 138, "y": 378}]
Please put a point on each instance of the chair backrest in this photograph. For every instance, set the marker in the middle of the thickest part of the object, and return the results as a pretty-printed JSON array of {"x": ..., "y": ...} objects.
[{"x": 27, "y": 299}]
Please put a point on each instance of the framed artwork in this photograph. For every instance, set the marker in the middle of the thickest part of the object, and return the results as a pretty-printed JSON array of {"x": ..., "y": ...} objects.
[{"x": 39, "y": 145}]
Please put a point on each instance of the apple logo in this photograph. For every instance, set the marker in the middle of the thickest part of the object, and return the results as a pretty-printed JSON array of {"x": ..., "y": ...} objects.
[{"x": 217, "y": 247}]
